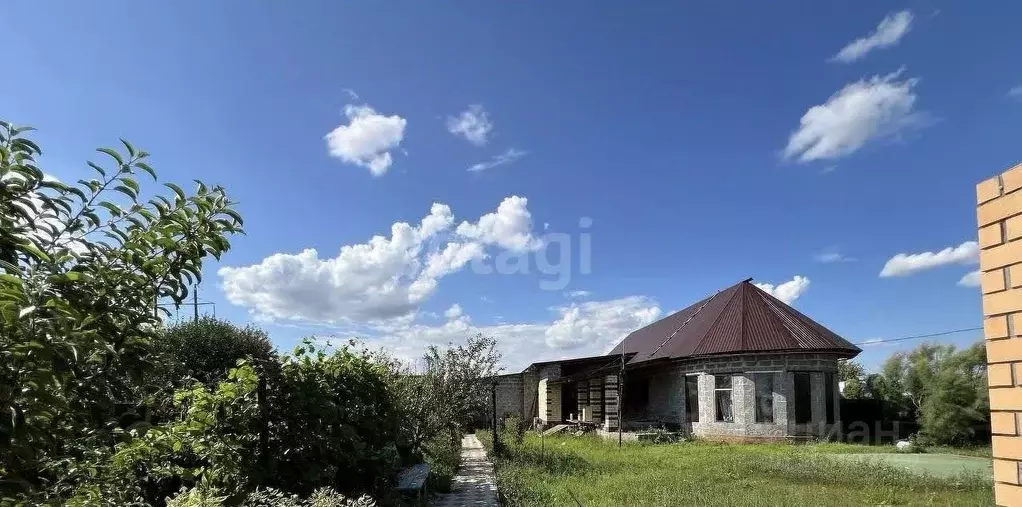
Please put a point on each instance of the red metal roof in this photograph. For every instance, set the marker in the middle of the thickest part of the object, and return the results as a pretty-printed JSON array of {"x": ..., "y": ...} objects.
[{"x": 740, "y": 318}]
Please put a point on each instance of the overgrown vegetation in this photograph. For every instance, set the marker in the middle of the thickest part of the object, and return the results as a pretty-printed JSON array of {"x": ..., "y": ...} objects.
[
  {"x": 573, "y": 471},
  {"x": 103, "y": 405},
  {"x": 938, "y": 386}
]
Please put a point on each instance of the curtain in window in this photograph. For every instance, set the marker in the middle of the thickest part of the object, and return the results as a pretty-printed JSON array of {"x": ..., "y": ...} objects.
[{"x": 724, "y": 409}]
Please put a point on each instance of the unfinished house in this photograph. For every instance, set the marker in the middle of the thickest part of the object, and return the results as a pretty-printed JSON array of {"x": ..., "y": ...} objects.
[{"x": 738, "y": 365}]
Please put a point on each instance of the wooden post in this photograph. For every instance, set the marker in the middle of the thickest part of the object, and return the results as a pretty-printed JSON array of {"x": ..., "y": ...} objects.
[{"x": 620, "y": 397}]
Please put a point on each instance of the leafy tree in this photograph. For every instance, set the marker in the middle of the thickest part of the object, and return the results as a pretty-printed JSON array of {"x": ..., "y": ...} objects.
[
  {"x": 207, "y": 348},
  {"x": 854, "y": 377},
  {"x": 452, "y": 393},
  {"x": 82, "y": 267},
  {"x": 942, "y": 388}
]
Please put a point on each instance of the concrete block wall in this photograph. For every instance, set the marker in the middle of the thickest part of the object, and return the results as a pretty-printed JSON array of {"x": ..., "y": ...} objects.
[
  {"x": 743, "y": 370},
  {"x": 509, "y": 396},
  {"x": 999, "y": 218},
  {"x": 582, "y": 395},
  {"x": 596, "y": 398},
  {"x": 666, "y": 396},
  {"x": 610, "y": 401}
]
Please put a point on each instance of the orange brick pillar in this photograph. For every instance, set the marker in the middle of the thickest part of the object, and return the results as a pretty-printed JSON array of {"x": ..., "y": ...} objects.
[{"x": 999, "y": 214}]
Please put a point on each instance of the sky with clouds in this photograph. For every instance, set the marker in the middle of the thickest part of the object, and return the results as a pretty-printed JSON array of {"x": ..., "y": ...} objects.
[{"x": 553, "y": 175}]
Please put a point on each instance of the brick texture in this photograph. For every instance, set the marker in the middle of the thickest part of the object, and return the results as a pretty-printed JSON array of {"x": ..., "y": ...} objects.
[{"x": 999, "y": 222}]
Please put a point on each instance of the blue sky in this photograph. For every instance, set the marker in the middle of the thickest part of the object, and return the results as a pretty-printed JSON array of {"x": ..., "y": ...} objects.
[{"x": 700, "y": 144}]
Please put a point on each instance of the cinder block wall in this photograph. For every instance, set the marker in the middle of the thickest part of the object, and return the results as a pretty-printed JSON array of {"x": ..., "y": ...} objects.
[
  {"x": 509, "y": 396},
  {"x": 999, "y": 216}
]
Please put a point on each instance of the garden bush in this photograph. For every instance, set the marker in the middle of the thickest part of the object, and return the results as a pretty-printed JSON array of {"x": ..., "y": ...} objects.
[{"x": 205, "y": 349}]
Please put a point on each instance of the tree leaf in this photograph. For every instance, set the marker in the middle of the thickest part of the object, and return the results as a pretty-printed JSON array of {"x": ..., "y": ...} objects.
[
  {"x": 177, "y": 190},
  {"x": 113, "y": 154},
  {"x": 98, "y": 169},
  {"x": 145, "y": 167},
  {"x": 126, "y": 191},
  {"x": 129, "y": 147}
]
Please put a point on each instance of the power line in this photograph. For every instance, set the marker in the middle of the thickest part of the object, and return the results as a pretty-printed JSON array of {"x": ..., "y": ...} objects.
[{"x": 918, "y": 336}]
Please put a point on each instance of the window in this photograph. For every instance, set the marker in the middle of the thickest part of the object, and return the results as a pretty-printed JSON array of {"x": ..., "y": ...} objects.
[
  {"x": 764, "y": 397},
  {"x": 829, "y": 396},
  {"x": 692, "y": 398},
  {"x": 722, "y": 396},
  {"x": 803, "y": 399}
]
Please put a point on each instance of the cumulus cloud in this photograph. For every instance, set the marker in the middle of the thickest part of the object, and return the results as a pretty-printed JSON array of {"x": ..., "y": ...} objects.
[
  {"x": 890, "y": 30},
  {"x": 878, "y": 107},
  {"x": 383, "y": 279},
  {"x": 473, "y": 124},
  {"x": 367, "y": 139},
  {"x": 578, "y": 329},
  {"x": 579, "y": 294},
  {"x": 970, "y": 279},
  {"x": 788, "y": 291},
  {"x": 1015, "y": 92},
  {"x": 904, "y": 264},
  {"x": 510, "y": 227},
  {"x": 453, "y": 312},
  {"x": 508, "y": 157}
]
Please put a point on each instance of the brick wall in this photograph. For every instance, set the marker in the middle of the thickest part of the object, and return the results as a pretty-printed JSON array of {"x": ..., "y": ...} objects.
[{"x": 999, "y": 217}]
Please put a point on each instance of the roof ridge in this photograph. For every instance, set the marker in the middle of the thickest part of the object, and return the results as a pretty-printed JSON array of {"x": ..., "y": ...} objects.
[
  {"x": 689, "y": 319},
  {"x": 713, "y": 324},
  {"x": 741, "y": 337}
]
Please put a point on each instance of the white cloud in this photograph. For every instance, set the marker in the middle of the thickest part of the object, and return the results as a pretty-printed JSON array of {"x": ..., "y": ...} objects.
[
  {"x": 367, "y": 139},
  {"x": 510, "y": 227},
  {"x": 473, "y": 124},
  {"x": 890, "y": 30},
  {"x": 970, "y": 279},
  {"x": 1015, "y": 92},
  {"x": 580, "y": 329},
  {"x": 873, "y": 342},
  {"x": 832, "y": 256},
  {"x": 904, "y": 264},
  {"x": 509, "y": 156},
  {"x": 788, "y": 291},
  {"x": 453, "y": 312},
  {"x": 579, "y": 294},
  {"x": 877, "y": 107},
  {"x": 383, "y": 279}
]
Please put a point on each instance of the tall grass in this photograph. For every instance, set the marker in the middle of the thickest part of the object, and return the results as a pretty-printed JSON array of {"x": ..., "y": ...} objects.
[{"x": 591, "y": 472}]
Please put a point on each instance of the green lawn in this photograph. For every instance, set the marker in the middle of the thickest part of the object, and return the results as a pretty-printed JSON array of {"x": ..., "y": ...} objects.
[{"x": 598, "y": 473}]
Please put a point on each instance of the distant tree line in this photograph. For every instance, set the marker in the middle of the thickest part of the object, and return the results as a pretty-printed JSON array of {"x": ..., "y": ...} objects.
[{"x": 937, "y": 386}]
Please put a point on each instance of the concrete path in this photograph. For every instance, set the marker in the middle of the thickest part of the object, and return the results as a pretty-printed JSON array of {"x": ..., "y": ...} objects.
[{"x": 475, "y": 484}]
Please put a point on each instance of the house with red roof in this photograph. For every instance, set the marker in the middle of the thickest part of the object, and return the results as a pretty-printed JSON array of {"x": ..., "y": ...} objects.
[{"x": 737, "y": 365}]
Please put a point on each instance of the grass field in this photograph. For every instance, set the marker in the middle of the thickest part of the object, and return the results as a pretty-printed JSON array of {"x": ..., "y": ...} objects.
[{"x": 587, "y": 471}]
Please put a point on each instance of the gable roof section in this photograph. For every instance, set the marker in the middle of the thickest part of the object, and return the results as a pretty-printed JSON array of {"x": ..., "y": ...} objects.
[{"x": 740, "y": 318}]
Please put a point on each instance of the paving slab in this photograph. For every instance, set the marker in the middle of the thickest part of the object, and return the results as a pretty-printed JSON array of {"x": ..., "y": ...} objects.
[{"x": 475, "y": 484}]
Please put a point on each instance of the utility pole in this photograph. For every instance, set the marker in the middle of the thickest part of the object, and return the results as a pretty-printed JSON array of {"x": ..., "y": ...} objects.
[
  {"x": 496, "y": 430},
  {"x": 195, "y": 302},
  {"x": 620, "y": 397}
]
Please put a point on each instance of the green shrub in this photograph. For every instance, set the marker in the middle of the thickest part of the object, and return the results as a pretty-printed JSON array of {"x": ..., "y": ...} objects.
[
  {"x": 335, "y": 422},
  {"x": 444, "y": 458},
  {"x": 207, "y": 348}
]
